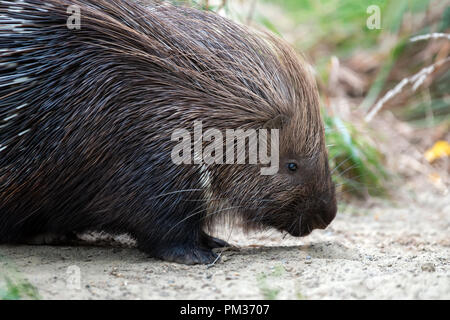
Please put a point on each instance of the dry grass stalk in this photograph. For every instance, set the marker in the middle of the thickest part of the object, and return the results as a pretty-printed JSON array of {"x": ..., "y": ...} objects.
[{"x": 416, "y": 80}]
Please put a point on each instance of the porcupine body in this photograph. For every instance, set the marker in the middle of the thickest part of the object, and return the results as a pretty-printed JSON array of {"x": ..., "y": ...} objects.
[{"x": 86, "y": 116}]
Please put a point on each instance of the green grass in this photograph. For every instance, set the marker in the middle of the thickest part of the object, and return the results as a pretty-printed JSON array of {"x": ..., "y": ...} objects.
[
  {"x": 338, "y": 28},
  {"x": 430, "y": 107},
  {"x": 357, "y": 165},
  {"x": 199, "y": 4},
  {"x": 265, "y": 283},
  {"x": 17, "y": 289},
  {"x": 12, "y": 285},
  {"x": 342, "y": 23}
]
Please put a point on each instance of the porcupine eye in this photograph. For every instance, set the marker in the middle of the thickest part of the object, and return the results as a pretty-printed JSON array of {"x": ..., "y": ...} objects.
[{"x": 292, "y": 167}]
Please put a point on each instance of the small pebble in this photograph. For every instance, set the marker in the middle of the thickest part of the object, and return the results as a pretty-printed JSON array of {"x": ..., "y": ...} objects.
[{"x": 428, "y": 267}]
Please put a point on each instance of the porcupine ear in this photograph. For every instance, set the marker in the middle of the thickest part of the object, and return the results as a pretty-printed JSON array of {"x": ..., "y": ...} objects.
[{"x": 278, "y": 122}]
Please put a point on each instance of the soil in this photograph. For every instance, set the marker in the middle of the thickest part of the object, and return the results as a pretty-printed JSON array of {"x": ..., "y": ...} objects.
[{"x": 377, "y": 249}]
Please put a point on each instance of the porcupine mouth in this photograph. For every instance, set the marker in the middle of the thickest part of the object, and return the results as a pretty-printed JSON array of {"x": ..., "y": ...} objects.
[{"x": 306, "y": 225}]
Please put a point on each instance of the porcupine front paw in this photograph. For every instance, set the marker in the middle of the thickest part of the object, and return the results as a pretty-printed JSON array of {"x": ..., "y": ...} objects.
[
  {"x": 187, "y": 254},
  {"x": 193, "y": 254}
]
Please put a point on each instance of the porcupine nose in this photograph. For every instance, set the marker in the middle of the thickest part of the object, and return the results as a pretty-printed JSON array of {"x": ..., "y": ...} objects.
[{"x": 326, "y": 212}]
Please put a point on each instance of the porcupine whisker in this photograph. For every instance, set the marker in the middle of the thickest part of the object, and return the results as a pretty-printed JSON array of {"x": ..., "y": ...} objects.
[
  {"x": 320, "y": 219},
  {"x": 192, "y": 215},
  {"x": 259, "y": 218},
  {"x": 339, "y": 128},
  {"x": 350, "y": 178},
  {"x": 300, "y": 223},
  {"x": 174, "y": 192},
  {"x": 229, "y": 198},
  {"x": 308, "y": 227},
  {"x": 347, "y": 169},
  {"x": 340, "y": 164},
  {"x": 331, "y": 159},
  {"x": 292, "y": 225},
  {"x": 205, "y": 199},
  {"x": 364, "y": 187}
]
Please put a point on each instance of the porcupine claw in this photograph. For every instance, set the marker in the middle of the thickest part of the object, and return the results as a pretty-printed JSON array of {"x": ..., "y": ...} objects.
[{"x": 212, "y": 242}]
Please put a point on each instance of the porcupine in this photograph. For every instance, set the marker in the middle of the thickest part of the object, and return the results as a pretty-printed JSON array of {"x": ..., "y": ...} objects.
[{"x": 87, "y": 113}]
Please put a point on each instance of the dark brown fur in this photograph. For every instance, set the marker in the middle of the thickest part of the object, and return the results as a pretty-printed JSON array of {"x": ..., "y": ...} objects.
[{"x": 86, "y": 118}]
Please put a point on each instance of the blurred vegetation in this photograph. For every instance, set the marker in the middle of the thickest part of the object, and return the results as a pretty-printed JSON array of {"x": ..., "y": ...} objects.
[
  {"x": 17, "y": 290},
  {"x": 356, "y": 164},
  {"x": 267, "y": 282},
  {"x": 13, "y": 286},
  {"x": 367, "y": 63}
]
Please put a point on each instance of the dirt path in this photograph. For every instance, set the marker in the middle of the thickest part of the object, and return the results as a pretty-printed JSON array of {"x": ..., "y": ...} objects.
[{"x": 382, "y": 251}]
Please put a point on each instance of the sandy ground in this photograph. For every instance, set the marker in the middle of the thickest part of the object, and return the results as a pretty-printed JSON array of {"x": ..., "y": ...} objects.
[{"x": 382, "y": 250}]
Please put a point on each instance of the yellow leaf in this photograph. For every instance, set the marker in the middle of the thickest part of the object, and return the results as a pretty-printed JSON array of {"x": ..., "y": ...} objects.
[
  {"x": 441, "y": 149},
  {"x": 436, "y": 178}
]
